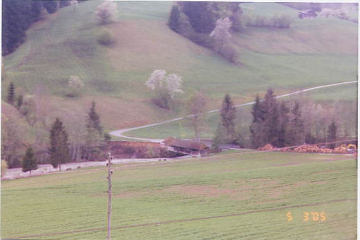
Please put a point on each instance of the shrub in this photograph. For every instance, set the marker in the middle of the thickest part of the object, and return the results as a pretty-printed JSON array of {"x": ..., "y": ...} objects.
[
  {"x": 107, "y": 137},
  {"x": 75, "y": 84},
  {"x": 163, "y": 101},
  {"x": 28, "y": 109},
  {"x": 282, "y": 21},
  {"x": 106, "y": 39},
  {"x": 202, "y": 39},
  {"x": 229, "y": 53},
  {"x": 13, "y": 162},
  {"x": 237, "y": 22}
]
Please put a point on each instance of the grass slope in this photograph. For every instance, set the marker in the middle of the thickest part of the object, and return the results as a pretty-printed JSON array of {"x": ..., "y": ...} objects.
[
  {"x": 228, "y": 183},
  {"x": 312, "y": 52},
  {"x": 331, "y": 97}
]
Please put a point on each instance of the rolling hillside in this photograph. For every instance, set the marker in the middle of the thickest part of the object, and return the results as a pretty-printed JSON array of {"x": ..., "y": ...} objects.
[{"x": 312, "y": 52}]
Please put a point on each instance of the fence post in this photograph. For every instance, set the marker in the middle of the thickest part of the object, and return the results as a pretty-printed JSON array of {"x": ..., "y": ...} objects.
[{"x": 109, "y": 197}]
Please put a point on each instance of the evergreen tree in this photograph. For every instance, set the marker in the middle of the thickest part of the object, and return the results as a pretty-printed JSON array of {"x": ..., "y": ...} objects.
[
  {"x": 11, "y": 94},
  {"x": 29, "y": 161},
  {"x": 256, "y": 127},
  {"x": 283, "y": 125},
  {"x": 271, "y": 118},
  {"x": 94, "y": 119},
  {"x": 19, "y": 101},
  {"x": 258, "y": 110},
  {"x": 228, "y": 115},
  {"x": 309, "y": 138},
  {"x": 237, "y": 24},
  {"x": 174, "y": 19},
  {"x": 201, "y": 15},
  {"x": 13, "y": 33},
  {"x": 64, "y": 3},
  {"x": 18, "y": 15},
  {"x": 332, "y": 134},
  {"x": 50, "y": 6},
  {"x": 36, "y": 7},
  {"x": 94, "y": 136},
  {"x": 297, "y": 131},
  {"x": 219, "y": 138},
  {"x": 59, "y": 147}
]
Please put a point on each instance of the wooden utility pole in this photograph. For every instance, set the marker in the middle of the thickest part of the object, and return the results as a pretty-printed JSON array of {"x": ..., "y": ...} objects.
[{"x": 109, "y": 196}]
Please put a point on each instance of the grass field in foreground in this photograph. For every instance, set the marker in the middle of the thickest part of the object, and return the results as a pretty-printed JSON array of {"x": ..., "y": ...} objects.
[{"x": 232, "y": 183}]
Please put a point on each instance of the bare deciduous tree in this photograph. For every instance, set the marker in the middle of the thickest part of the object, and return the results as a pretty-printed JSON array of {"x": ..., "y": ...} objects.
[
  {"x": 77, "y": 133},
  {"x": 11, "y": 141},
  {"x": 75, "y": 85},
  {"x": 197, "y": 108},
  {"x": 28, "y": 109}
]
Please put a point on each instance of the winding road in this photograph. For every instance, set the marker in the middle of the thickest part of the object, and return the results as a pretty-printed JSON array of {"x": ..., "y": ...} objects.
[
  {"x": 121, "y": 132},
  {"x": 47, "y": 168}
]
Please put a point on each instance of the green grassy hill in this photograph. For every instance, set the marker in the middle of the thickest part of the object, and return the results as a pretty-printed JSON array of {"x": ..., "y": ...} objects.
[
  {"x": 238, "y": 184},
  {"x": 312, "y": 52}
]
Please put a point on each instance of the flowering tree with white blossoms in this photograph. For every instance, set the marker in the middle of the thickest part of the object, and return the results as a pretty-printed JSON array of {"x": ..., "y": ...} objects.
[
  {"x": 106, "y": 12},
  {"x": 75, "y": 85},
  {"x": 221, "y": 33},
  {"x": 221, "y": 36},
  {"x": 165, "y": 87}
]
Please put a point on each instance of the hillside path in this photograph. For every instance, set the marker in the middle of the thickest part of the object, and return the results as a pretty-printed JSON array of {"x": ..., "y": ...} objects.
[{"x": 121, "y": 132}]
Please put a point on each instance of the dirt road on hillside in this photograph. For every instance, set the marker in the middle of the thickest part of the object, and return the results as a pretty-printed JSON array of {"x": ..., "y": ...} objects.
[{"x": 121, "y": 132}]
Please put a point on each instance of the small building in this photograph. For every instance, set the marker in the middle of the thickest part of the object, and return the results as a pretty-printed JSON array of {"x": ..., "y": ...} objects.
[{"x": 186, "y": 146}]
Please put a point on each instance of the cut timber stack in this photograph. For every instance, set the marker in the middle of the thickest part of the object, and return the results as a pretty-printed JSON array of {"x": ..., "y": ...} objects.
[
  {"x": 267, "y": 147},
  {"x": 307, "y": 148},
  {"x": 312, "y": 149}
]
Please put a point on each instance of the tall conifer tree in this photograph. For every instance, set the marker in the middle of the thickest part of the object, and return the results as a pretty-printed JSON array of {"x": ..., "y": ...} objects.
[
  {"x": 94, "y": 136},
  {"x": 283, "y": 125},
  {"x": 94, "y": 119},
  {"x": 174, "y": 19},
  {"x": 332, "y": 134},
  {"x": 59, "y": 147},
  {"x": 11, "y": 94},
  {"x": 271, "y": 118},
  {"x": 256, "y": 127},
  {"x": 50, "y": 6},
  {"x": 29, "y": 161},
  {"x": 297, "y": 130},
  {"x": 228, "y": 115}
]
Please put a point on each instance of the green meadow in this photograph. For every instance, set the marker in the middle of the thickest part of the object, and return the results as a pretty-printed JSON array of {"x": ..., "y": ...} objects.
[{"x": 233, "y": 195}]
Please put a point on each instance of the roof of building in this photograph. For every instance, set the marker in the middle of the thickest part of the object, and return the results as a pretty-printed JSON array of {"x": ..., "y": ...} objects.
[{"x": 188, "y": 144}]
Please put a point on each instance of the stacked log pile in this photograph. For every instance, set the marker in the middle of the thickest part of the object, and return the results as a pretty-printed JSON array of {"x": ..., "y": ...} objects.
[
  {"x": 312, "y": 149},
  {"x": 308, "y": 148},
  {"x": 267, "y": 147}
]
